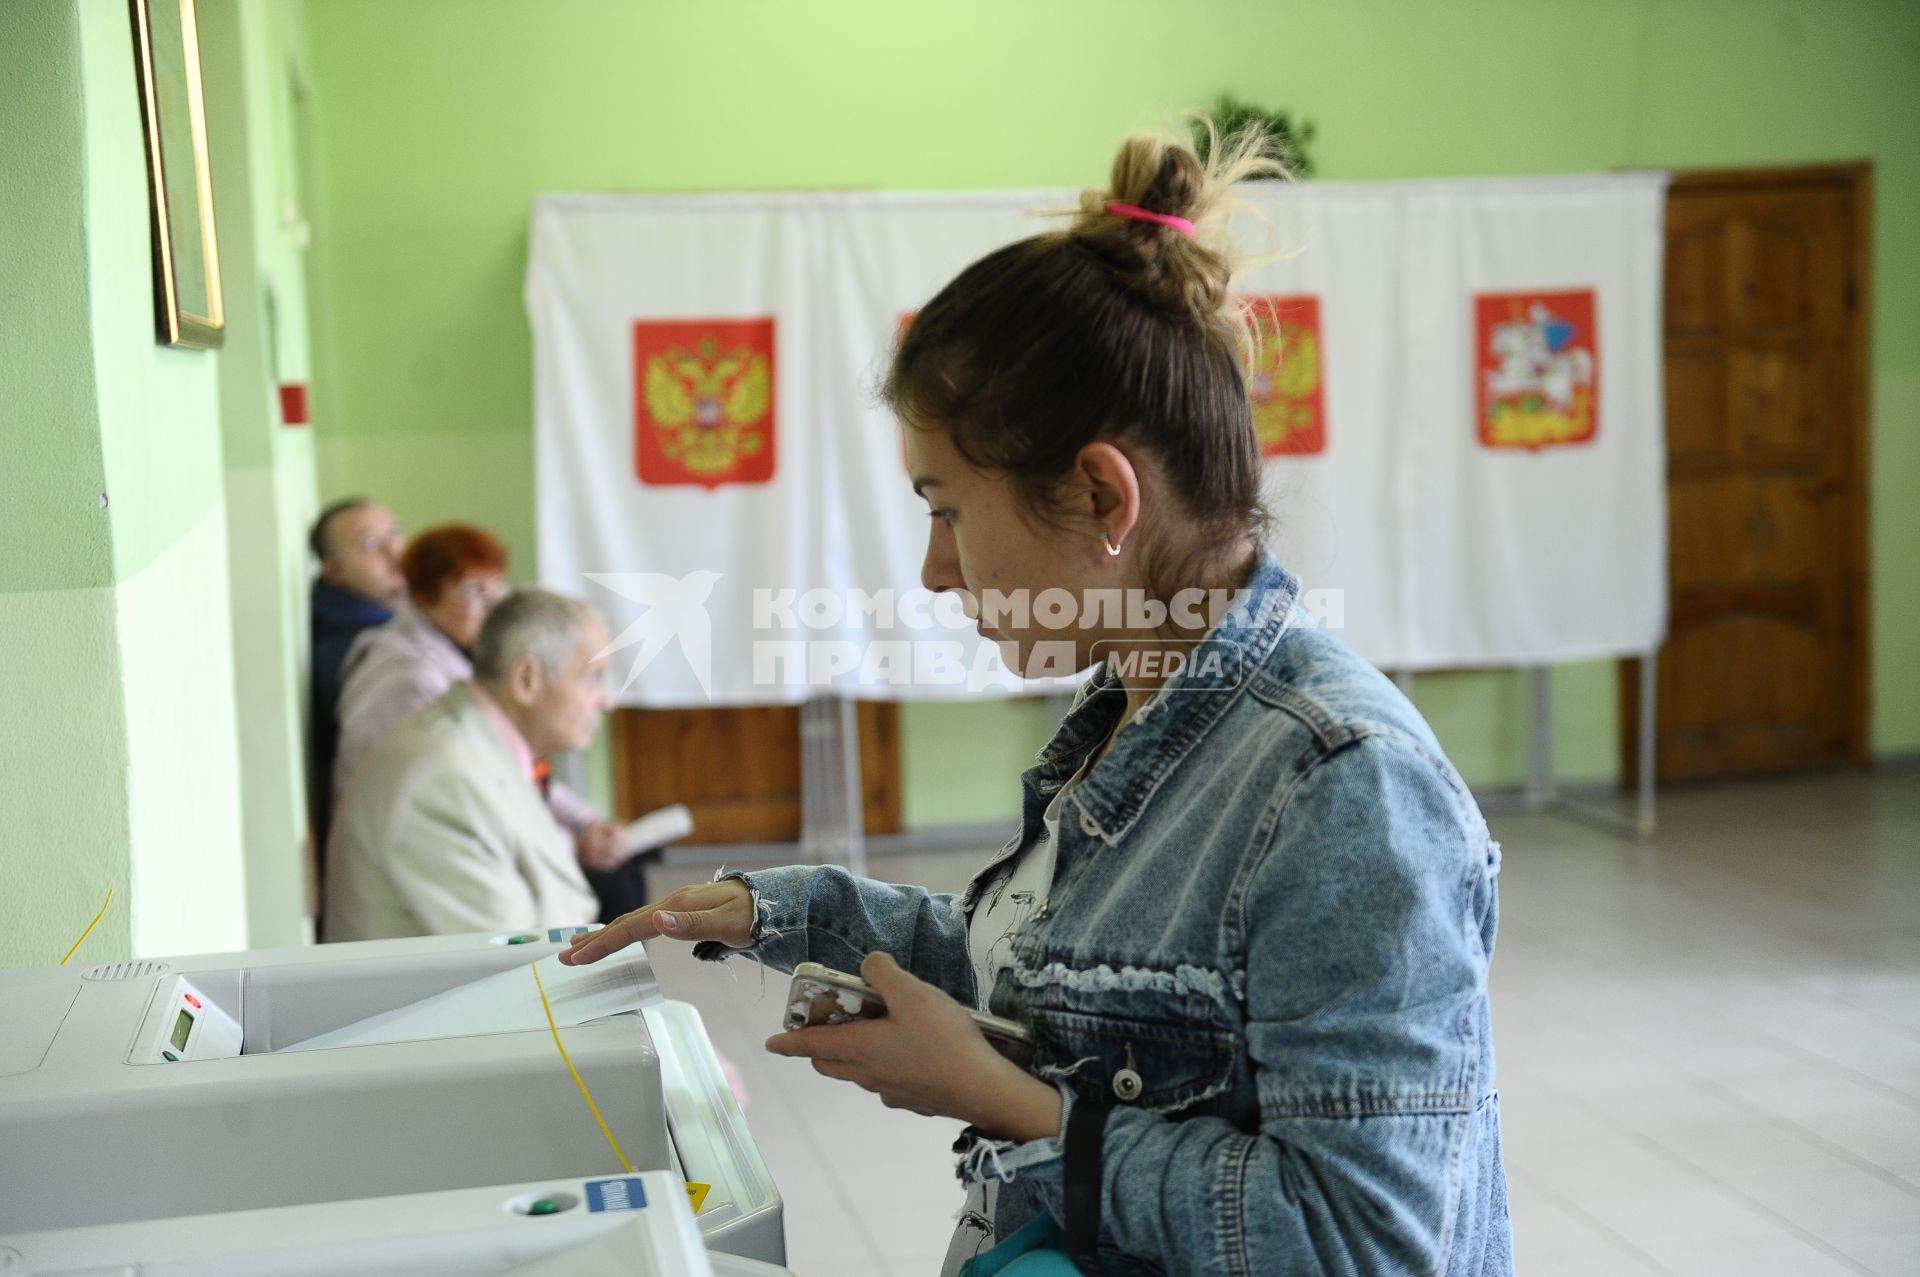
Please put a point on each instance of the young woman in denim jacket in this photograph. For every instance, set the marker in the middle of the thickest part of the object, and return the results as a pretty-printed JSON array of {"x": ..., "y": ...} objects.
[{"x": 1249, "y": 912}]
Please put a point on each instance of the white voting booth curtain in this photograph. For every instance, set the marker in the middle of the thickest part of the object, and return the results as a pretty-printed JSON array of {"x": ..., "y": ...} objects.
[
  {"x": 1535, "y": 419},
  {"x": 1325, "y": 397},
  {"x": 1463, "y": 424}
]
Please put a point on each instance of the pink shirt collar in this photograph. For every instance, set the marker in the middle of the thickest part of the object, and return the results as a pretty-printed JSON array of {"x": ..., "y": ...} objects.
[{"x": 522, "y": 751}]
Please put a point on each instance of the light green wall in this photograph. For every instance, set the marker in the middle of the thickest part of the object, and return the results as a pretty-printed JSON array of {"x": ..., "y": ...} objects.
[
  {"x": 158, "y": 408},
  {"x": 53, "y": 533},
  {"x": 961, "y": 760},
  {"x": 64, "y": 836},
  {"x": 176, "y": 647},
  {"x": 432, "y": 476},
  {"x": 249, "y": 58},
  {"x": 434, "y": 123},
  {"x": 121, "y": 766},
  {"x": 1895, "y": 478},
  {"x": 159, "y": 412}
]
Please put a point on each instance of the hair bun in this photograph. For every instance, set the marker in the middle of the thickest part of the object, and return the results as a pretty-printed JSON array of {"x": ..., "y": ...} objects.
[
  {"x": 1187, "y": 275},
  {"x": 1153, "y": 174}
]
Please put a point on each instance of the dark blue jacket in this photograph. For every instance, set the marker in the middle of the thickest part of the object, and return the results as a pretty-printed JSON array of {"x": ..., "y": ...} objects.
[{"x": 338, "y": 617}]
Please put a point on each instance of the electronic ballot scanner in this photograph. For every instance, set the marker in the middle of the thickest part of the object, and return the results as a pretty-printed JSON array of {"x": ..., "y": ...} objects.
[
  {"x": 151, "y": 1089},
  {"x": 631, "y": 1225}
]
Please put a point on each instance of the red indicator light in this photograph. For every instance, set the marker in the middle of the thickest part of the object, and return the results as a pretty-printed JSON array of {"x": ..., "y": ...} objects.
[{"x": 193, "y": 1001}]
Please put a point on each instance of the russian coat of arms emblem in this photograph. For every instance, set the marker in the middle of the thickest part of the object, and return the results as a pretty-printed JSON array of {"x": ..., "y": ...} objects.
[
  {"x": 704, "y": 401},
  {"x": 1286, "y": 384}
]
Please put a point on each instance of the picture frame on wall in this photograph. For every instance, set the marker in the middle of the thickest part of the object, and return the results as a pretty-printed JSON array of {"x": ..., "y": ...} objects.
[{"x": 186, "y": 257}]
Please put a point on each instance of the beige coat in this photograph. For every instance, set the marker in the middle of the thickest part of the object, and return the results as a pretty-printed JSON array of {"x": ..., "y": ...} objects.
[
  {"x": 441, "y": 832},
  {"x": 392, "y": 670}
]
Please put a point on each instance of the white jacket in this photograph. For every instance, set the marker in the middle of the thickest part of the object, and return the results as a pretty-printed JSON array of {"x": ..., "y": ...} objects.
[
  {"x": 441, "y": 832},
  {"x": 392, "y": 670}
]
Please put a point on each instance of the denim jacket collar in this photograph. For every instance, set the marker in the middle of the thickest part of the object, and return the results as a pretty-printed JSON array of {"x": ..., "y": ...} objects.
[{"x": 1113, "y": 796}]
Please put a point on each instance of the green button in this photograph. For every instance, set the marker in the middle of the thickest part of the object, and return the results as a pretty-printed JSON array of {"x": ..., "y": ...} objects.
[
  {"x": 524, "y": 940},
  {"x": 171, "y": 1056},
  {"x": 545, "y": 1206}
]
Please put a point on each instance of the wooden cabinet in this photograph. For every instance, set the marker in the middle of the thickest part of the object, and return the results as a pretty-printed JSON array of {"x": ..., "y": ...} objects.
[{"x": 738, "y": 770}]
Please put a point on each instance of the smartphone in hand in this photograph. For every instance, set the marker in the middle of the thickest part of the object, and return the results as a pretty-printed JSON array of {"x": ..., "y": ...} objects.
[{"x": 821, "y": 995}]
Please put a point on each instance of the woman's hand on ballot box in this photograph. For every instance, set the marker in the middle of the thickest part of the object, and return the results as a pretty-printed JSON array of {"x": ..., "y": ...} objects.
[
  {"x": 720, "y": 911},
  {"x": 926, "y": 1054}
]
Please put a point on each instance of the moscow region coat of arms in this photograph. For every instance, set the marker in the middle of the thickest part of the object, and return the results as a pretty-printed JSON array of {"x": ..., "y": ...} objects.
[
  {"x": 703, "y": 401},
  {"x": 1286, "y": 384},
  {"x": 1538, "y": 369}
]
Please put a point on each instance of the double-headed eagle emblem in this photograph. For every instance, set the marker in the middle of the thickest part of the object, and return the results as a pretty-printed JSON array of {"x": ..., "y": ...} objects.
[
  {"x": 1283, "y": 381},
  {"x": 709, "y": 407}
]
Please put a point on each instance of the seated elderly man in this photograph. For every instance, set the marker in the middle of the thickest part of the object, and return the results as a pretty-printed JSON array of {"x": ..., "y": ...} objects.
[
  {"x": 444, "y": 828},
  {"x": 455, "y": 574}
]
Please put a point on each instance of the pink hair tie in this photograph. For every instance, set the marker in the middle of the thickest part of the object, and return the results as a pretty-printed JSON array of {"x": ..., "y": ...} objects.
[{"x": 1139, "y": 214}]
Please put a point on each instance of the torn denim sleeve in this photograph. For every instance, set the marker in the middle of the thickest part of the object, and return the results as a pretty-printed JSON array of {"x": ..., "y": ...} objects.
[
  {"x": 822, "y": 913},
  {"x": 1036, "y": 1162}
]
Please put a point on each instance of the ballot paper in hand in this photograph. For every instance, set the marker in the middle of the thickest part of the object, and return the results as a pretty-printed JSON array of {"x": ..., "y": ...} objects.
[
  {"x": 658, "y": 828},
  {"x": 508, "y": 1002}
]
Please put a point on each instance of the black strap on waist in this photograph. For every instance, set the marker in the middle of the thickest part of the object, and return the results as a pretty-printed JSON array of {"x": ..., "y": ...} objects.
[{"x": 1086, "y": 1136}]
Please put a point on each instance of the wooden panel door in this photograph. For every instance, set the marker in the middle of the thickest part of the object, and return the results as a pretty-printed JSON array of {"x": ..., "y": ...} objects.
[
  {"x": 1765, "y": 664},
  {"x": 738, "y": 770}
]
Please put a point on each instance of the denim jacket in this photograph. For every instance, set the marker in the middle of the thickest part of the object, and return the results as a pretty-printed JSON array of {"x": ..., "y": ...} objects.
[{"x": 1265, "y": 951}]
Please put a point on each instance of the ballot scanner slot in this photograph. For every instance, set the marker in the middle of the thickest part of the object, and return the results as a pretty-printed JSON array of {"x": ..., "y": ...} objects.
[
  {"x": 277, "y": 1006},
  {"x": 284, "y": 1005}
]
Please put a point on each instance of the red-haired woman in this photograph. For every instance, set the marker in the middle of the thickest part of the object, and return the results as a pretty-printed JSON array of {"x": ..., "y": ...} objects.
[{"x": 455, "y": 573}]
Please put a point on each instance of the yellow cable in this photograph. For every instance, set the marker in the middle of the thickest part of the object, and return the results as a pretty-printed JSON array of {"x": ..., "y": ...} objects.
[
  {"x": 90, "y": 926},
  {"x": 577, "y": 1079}
]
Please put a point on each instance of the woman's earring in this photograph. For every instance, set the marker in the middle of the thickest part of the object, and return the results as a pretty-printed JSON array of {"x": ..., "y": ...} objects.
[{"x": 1112, "y": 549}]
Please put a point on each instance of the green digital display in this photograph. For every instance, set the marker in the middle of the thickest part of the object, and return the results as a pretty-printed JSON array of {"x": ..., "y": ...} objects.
[{"x": 182, "y": 1027}]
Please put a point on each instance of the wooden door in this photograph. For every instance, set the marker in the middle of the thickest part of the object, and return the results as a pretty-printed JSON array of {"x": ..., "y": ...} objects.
[
  {"x": 1765, "y": 665},
  {"x": 738, "y": 770}
]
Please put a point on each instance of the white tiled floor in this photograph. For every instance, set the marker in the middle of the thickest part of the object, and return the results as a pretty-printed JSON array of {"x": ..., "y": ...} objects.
[{"x": 1709, "y": 1051}]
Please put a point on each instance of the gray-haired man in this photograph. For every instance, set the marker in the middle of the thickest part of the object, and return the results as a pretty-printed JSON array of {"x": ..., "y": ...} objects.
[{"x": 443, "y": 828}]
